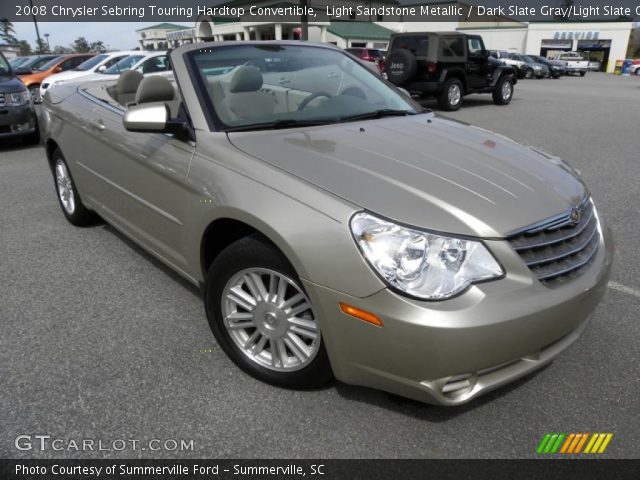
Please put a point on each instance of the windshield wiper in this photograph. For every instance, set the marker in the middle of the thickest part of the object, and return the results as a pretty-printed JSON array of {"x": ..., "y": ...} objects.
[
  {"x": 284, "y": 123},
  {"x": 383, "y": 112}
]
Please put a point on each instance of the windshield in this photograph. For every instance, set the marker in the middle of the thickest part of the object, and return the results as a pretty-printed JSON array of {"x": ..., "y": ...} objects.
[
  {"x": 36, "y": 62},
  {"x": 92, "y": 62},
  {"x": 47, "y": 65},
  {"x": 16, "y": 62},
  {"x": 289, "y": 85},
  {"x": 123, "y": 65}
]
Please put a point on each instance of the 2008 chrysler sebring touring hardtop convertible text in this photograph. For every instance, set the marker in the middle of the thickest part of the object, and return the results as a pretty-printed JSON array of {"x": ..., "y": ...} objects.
[{"x": 336, "y": 227}]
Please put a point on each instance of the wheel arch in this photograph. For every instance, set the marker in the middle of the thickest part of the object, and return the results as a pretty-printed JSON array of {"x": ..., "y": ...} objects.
[
  {"x": 50, "y": 146},
  {"x": 230, "y": 227},
  {"x": 459, "y": 75}
]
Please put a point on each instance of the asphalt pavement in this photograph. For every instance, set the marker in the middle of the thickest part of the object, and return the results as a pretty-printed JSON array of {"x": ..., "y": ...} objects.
[{"x": 102, "y": 342}]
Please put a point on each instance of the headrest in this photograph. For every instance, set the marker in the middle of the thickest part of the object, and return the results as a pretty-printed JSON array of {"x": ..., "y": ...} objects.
[
  {"x": 155, "y": 89},
  {"x": 129, "y": 81},
  {"x": 246, "y": 79}
]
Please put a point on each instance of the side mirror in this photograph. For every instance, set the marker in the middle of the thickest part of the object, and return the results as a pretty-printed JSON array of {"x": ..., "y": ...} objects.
[
  {"x": 57, "y": 70},
  {"x": 22, "y": 71},
  {"x": 152, "y": 119},
  {"x": 146, "y": 118},
  {"x": 101, "y": 68}
]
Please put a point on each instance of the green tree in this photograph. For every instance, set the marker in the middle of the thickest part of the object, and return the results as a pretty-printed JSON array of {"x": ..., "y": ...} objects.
[
  {"x": 41, "y": 46},
  {"x": 7, "y": 32},
  {"x": 80, "y": 45},
  {"x": 25, "y": 48},
  {"x": 60, "y": 50},
  {"x": 97, "y": 46}
]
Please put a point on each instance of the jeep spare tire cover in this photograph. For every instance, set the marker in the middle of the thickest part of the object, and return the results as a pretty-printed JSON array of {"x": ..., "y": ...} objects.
[{"x": 401, "y": 66}]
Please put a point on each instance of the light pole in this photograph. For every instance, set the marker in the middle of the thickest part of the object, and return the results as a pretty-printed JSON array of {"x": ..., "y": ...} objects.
[
  {"x": 35, "y": 22},
  {"x": 46, "y": 35}
]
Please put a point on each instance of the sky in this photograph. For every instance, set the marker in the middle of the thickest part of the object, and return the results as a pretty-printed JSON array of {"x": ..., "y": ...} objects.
[{"x": 115, "y": 35}]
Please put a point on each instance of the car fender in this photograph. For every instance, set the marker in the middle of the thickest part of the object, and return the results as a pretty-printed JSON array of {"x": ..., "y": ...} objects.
[
  {"x": 308, "y": 225},
  {"x": 503, "y": 70},
  {"x": 453, "y": 72}
]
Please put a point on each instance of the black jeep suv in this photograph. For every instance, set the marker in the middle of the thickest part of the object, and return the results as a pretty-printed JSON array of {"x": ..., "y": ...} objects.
[{"x": 449, "y": 66}]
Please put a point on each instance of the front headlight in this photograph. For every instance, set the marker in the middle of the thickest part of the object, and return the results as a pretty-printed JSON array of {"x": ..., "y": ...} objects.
[
  {"x": 17, "y": 99},
  {"x": 422, "y": 264}
]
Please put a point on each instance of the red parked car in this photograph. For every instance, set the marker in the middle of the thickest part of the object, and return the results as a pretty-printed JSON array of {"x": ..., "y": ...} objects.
[{"x": 369, "y": 55}]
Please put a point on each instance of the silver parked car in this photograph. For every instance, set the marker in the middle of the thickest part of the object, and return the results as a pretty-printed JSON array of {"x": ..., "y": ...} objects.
[{"x": 335, "y": 226}]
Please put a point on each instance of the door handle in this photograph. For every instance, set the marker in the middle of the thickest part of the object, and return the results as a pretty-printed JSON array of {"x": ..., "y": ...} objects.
[
  {"x": 284, "y": 81},
  {"x": 98, "y": 125},
  {"x": 332, "y": 75}
]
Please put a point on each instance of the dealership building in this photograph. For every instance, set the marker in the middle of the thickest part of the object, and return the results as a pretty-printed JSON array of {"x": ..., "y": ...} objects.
[{"x": 603, "y": 42}]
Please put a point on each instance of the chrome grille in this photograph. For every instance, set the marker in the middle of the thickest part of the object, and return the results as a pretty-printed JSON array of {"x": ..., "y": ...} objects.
[
  {"x": 3, "y": 102},
  {"x": 561, "y": 247}
]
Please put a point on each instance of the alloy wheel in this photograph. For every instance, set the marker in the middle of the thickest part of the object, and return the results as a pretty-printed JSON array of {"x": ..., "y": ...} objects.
[
  {"x": 507, "y": 90},
  {"x": 270, "y": 319},
  {"x": 65, "y": 188},
  {"x": 454, "y": 94}
]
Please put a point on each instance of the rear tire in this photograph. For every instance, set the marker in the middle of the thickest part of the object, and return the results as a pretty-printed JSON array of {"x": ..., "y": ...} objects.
[
  {"x": 450, "y": 99},
  {"x": 260, "y": 336},
  {"x": 72, "y": 208},
  {"x": 528, "y": 74},
  {"x": 503, "y": 91},
  {"x": 582, "y": 74}
]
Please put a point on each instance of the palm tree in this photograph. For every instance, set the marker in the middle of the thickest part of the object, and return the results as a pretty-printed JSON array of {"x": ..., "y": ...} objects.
[{"x": 7, "y": 32}]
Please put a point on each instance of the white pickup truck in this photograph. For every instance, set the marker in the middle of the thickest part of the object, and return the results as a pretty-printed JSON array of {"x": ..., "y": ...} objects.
[{"x": 573, "y": 62}]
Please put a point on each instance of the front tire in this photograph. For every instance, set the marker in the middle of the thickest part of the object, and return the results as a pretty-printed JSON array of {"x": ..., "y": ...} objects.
[
  {"x": 450, "y": 99},
  {"x": 528, "y": 74},
  {"x": 72, "y": 208},
  {"x": 503, "y": 91},
  {"x": 262, "y": 318},
  {"x": 582, "y": 74}
]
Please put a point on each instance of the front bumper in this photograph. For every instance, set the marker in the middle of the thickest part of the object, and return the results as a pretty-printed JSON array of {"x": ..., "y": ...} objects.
[
  {"x": 452, "y": 351},
  {"x": 17, "y": 121}
]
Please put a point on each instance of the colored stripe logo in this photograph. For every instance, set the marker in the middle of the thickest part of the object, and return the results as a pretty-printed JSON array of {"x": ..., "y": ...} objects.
[{"x": 572, "y": 443}]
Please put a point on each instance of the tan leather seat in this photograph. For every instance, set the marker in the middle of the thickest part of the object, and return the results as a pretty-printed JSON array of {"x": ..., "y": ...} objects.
[
  {"x": 126, "y": 87},
  {"x": 155, "y": 89},
  {"x": 245, "y": 100}
]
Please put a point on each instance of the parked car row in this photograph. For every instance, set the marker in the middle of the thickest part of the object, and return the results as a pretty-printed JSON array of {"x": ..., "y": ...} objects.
[
  {"x": 40, "y": 72},
  {"x": 448, "y": 65},
  {"x": 25, "y": 80}
]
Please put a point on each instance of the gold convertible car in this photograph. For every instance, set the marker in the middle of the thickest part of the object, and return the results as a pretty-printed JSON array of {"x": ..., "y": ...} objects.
[{"x": 337, "y": 228}]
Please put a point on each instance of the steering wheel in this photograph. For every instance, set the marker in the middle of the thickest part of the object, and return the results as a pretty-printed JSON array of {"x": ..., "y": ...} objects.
[
  {"x": 354, "y": 92},
  {"x": 313, "y": 96}
]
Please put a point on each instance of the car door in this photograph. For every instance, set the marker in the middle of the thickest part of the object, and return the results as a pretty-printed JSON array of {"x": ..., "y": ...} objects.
[
  {"x": 142, "y": 181},
  {"x": 477, "y": 62}
]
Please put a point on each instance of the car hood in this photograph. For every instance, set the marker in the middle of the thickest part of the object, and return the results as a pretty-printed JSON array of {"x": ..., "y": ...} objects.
[
  {"x": 425, "y": 171},
  {"x": 9, "y": 83}
]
